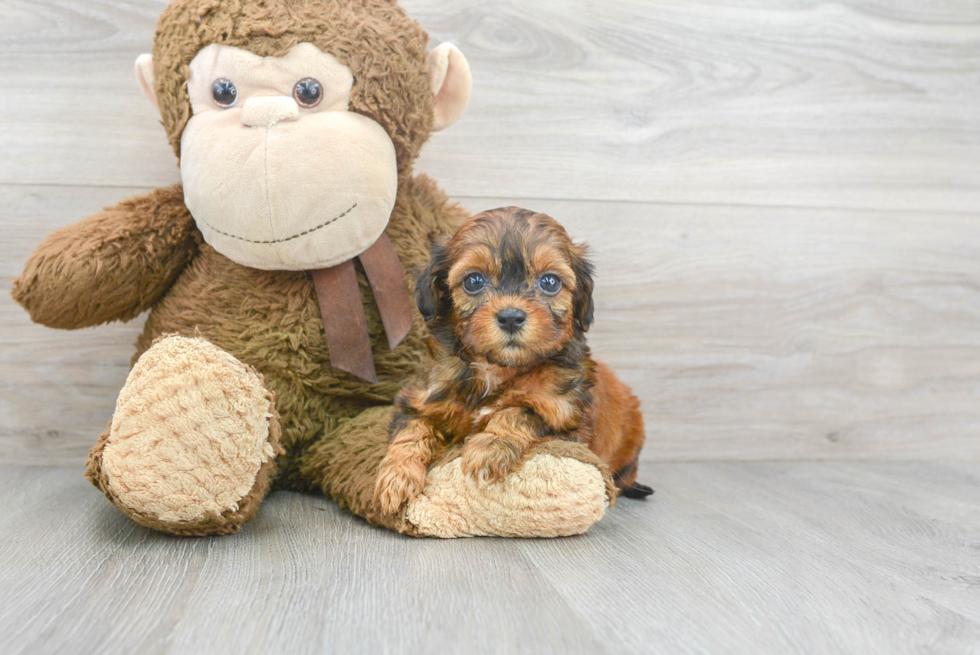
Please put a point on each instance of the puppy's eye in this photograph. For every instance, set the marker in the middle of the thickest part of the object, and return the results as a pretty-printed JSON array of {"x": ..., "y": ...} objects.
[
  {"x": 224, "y": 93},
  {"x": 474, "y": 283},
  {"x": 307, "y": 92},
  {"x": 550, "y": 284}
]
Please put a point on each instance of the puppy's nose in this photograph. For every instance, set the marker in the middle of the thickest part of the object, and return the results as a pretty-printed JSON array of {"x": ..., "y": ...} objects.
[
  {"x": 267, "y": 111},
  {"x": 511, "y": 320}
]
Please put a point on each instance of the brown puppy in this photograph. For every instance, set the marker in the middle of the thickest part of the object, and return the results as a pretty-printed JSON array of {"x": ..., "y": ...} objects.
[{"x": 508, "y": 300}]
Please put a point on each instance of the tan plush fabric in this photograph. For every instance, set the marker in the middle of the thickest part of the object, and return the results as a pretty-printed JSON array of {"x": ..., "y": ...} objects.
[
  {"x": 190, "y": 432},
  {"x": 548, "y": 497},
  {"x": 254, "y": 199},
  {"x": 145, "y": 78},
  {"x": 260, "y": 77},
  {"x": 451, "y": 82}
]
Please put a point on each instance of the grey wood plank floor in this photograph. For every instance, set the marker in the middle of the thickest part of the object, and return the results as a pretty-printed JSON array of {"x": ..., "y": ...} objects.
[{"x": 726, "y": 558}]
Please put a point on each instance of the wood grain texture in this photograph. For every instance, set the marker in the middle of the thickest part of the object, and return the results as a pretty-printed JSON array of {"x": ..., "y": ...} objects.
[
  {"x": 748, "y": 333},
  {"x": 725, "y": 558},
  {"x": 764, "y": 333},
  {"x": 859, "y": 103}
]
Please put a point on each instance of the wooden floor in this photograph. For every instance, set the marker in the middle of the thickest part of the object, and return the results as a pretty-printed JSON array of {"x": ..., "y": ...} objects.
[
  {"x": 762, "y": 558},
  {"x": 783, "y": 202}
]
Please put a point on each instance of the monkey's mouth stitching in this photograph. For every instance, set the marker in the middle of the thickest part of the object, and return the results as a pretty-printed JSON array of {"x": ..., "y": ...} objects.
[{"x": 295, "y": 236}]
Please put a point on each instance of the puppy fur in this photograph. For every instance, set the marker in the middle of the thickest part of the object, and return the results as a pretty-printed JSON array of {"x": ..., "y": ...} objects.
[{"x": 508, "y": 300}]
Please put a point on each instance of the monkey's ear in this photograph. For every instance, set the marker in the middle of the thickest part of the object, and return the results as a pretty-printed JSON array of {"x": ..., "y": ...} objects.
[
  {"x": 451, "y": 82},
  {"x": 144, "y": 75},
  {"x": 429, "y": 286},
  {"x": 582, "y": 304}
]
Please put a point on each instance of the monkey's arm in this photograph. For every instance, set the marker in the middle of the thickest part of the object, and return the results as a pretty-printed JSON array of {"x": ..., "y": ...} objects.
[{"x": 110, "y": 266}]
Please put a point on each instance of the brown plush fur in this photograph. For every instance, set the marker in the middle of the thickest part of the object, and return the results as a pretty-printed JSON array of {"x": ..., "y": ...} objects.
[
  {"x": 111, "y": 266},
  {"x": 146, "y": 253},
  {"x": 271, "y": 320},
  {"x": 505, "y": 390},
  {"x": 384, "y": 48}
]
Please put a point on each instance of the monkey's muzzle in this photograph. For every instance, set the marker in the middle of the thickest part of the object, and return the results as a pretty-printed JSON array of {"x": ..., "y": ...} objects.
[{"x": 302, "y": 192}]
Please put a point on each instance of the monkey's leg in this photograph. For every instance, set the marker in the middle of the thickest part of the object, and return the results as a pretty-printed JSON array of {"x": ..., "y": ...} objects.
[
  {"x": 561, "y": 489},
  {"x": 192, "y": 443}
]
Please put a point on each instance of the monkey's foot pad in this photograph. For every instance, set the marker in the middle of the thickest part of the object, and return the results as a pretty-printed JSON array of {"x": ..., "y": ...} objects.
[
  {"x": 550, "y": 496},
  {"x": 192, "y": 440}
]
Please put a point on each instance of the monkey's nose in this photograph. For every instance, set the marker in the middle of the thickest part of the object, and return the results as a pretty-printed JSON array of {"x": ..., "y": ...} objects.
[
  {"x": 511, "y": 320},
  {"x": 266, "y": 112}
]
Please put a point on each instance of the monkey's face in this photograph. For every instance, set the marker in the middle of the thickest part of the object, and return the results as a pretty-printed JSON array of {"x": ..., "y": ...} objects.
[
  {"x": 277, "y": 172},
  {"x": 295, "y": 120},
  {"x": 509, "y": 287}
]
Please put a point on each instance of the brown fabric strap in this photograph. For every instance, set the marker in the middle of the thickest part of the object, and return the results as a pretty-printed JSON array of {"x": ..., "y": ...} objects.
[
  {"x": 344, "y": 320},
  {"x": 342, "y": 311},
  {"x": 387, "y": 277}
]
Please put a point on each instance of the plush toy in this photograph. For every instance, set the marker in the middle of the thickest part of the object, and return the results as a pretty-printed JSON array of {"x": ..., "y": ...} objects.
[{"x": 278, "y": 274}]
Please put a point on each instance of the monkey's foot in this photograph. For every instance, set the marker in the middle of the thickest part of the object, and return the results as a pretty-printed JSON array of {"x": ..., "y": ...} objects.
[
  {"x": 192, "y": 443},
  {"x": 562, "y": 489}
]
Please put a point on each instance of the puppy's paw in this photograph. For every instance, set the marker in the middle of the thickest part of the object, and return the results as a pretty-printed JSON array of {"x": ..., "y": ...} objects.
[
  {"x": 399, "y": 482},
  {"x": 489, "y": 458}
]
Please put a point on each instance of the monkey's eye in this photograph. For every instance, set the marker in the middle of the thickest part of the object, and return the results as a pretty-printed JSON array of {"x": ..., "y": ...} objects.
[
  {"x": 307, "y": 92},
  {"x": 550, "y": 284},
  {"x": 474, "y": 283},
  {"x": 224, "y": 93}
]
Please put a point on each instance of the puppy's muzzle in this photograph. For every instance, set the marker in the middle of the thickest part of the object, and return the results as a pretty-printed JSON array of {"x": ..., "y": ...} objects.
[{"x": 511, "y": 320}]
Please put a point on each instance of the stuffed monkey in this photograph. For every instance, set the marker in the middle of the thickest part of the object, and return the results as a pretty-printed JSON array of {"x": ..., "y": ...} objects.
[{"x": 277, "y": 276}]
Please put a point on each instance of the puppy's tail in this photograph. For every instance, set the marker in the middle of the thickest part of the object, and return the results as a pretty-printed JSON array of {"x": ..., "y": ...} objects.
[
  {"x": 636, "y": 491},
  {"x": 625, "y": 479}
]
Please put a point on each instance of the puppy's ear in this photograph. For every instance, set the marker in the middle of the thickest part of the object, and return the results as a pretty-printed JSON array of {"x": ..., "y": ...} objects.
[
  {"x": 582, "y": 305},
  {"x": 430, "y": 286}
]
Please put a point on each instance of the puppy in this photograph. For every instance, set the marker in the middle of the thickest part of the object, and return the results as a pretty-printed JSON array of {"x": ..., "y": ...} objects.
[{"x": 508, "y": 300}]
